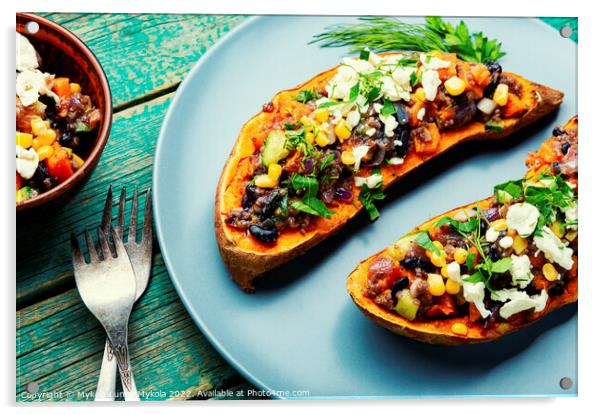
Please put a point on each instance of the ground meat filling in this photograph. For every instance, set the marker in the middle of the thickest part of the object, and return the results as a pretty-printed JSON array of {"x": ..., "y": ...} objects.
[{"x": 371, "y": 127}]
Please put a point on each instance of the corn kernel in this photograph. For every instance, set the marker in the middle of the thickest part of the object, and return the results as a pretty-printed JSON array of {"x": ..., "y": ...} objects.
[
  {"x": 36, "y": 144},
  {"x": 321, "y": 114},
  {"x": 438, "y": 244},
  {"x": 420, "y": 95},
  {"x": 500, "y": 96},
  {"x": 452, "y": 287},
  {"x": 396, "y": 252},
  {"x": 444, "y": 272},
  {"x": 342, "y": 131},
  {"x": 347, "y": 157},
  {"x": 557, "y": 228},
  {"x": 438, "y": 259},
  {"x": 519, "y": 245},
  {"x": 264, "y": 181},
  {"x": 47, "y": 137},
  {"x": 305, "y": 121},
  {"x": 459, "y": 329},
  {"x": 499, "y": 225},
  {"x": 570, "y": 236},
  {"x": 455, "y": 86},
  {"x": 78, "y": 160},
  {"x": 322, "y": 139},
  {"x": 68, "y": 150},
  {"x": 44, "y": 152},
  {"x": 274, "y": 172},
  {"x": 37, "y": 125},
  {"x": 74, "y": 87},
  {"x": 436, "y": 285},
  {"x": 24, "y": 140},
  {"x": 310, "y": 138},
  {"x": 549, "y": 272},
  {"x": 460, "y": 255}
]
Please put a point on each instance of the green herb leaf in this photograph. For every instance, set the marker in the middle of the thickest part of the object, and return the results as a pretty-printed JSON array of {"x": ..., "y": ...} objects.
[
  {"x": 388, "y": 108},
  {"x": 304, "y": 96},
  {"x": 365, "y": 55},
  {"x": 354, "y": 92},
  {"x": 509, "y": 191},
  {"x": 502, "y": 265},
  {"x": 310, "y": 204},
  {"x": 462, "y": 227},
  {"x": 424, "y": 240},
  {"x": 476, "y": 277},
  {"x": 414, "y": 79},
  {"x": 470, "y": 260},
  {"x": 368, "y": 195}
]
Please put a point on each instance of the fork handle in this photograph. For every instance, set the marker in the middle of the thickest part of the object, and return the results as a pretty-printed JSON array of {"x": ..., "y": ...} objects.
[
  {"x": 105, "y": 389},
  {"x": 122, "y": 356}
]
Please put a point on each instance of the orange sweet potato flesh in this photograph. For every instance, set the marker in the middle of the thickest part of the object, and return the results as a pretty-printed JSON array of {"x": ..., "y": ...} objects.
[
  {"x": 439, "y": 331},
  {"x": 247, "y": 258}
]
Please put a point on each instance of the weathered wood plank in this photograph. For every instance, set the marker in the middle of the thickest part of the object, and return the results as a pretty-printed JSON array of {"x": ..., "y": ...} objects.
[
  {"x": 43, "y": 256},
  {"x": 60, "y": 345},
  {"x": 146, "y": 53}
]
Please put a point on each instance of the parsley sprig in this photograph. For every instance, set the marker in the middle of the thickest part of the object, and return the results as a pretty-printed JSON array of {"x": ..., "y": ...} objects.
[
  {"x": 310, "y": 203},
  {"x": 369, "y": 195},
  {"x": 388, "y": 33}
]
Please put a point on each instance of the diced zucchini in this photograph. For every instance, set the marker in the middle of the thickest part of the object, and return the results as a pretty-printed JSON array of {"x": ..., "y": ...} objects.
[
  {"x": 503, "y": 196},
  {"x": 497, "y": 126},
  {"x": 274, "y": 148},
  {"x": 406, "y": 306},
  {"x": 82, "y": 127},
  {"x": 25, "y": 193}
]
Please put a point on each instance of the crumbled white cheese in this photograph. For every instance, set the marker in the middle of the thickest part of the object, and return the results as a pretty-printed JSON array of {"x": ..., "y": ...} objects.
[
  {"x": 27, "y": 162},
  {"x": 390, "y": 124},
  {"x": 453, "y": 271},
  {"x": 378, "y": 107},
  {"x": 475, "y": 293},
  {"x": 553, "y": 248},
  {"x": 396, "y": 161},
  {"x": 32, "y": 83},
  {"x": 26, "y": 54},
  {"x": 506, "y": 242},
  {"x": 374, "y": 59},
  {"x": 521, "y": 271},
  {"x": 523, "y": 218},
  {"x": 371, "y": 181},
  {"x": 359, "y": 65},
  {"x": 401, "y": 75},
  {"x": 519, "y": 301},
  {"x": 491, "y": 235},
  {"x": 570, "y": 215},
  {"x": 392, "y": 91},
  {"x": 370, "y": 131},
  {"x": 353, "y": 119},
  {"x": 432, "y": 62},
  {"x": 421, "y": 113},
  {"x": 430, "y": 83},
  {"x": 358, "y": 154}
]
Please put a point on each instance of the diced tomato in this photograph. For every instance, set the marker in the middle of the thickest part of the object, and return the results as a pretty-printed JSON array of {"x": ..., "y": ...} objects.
[
  {"x": 444, "y": 307},
  {"x": 481, "y": 74},
  {"x": 59, "y": 164},
  {"x": 61, "y": 87},
  {"x": 19, "y": 181},
  {"x": 514, "y": 108},
  {"x": 473, "y": 313}
]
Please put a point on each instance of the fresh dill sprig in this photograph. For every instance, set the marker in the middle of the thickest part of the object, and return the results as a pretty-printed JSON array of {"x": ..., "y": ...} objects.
[{"x": 381, "y": 34}]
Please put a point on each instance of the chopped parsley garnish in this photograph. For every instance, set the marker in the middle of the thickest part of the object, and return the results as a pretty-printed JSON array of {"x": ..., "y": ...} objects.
[
  {"x": 414, "y": 79},
  {"x": 368, "y": 195},
  {"x": 365, "y": 54},
  {"x": 424, "y": 240},
  {"x": 462, "y": 227},
  {"x": 354, "y": 92},
  {"x": 388, "y": 108},
  {"x": 556, "y": 194},
  {"x": 310, "y": 202},
  {"x": 295, "y": 139},
  {"x": 304, "y": 96},
  {"x": 510, "y": 191}
]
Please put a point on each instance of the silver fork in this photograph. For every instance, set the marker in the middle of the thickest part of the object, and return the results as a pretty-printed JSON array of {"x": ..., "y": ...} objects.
[
  {"x": 140, "y": 254},
  {"x": 107, "y": 286}
]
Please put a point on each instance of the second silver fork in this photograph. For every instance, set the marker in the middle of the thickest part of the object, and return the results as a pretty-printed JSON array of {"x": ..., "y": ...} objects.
[{"x": 140, "y": 254}]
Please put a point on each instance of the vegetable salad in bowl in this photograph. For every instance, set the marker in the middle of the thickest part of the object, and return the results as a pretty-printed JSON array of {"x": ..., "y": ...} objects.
[{"x": 55, "y": 125}]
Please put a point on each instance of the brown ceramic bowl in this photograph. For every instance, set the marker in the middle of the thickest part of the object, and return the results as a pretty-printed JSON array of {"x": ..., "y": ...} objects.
[{"x": 64, "y": 54}]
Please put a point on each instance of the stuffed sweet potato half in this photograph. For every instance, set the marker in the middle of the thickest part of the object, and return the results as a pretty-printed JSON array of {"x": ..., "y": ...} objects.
[
  {"x": 483, "y": 270},
  {"x": 318, "y": 154}
]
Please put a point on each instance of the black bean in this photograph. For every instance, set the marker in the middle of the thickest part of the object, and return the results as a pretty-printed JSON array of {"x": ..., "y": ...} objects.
[
  {"x": 495, "y": 70},
  {"x": 400, "y": 284},
  {"x": 402, "y": 114},
  {"x": 556, "y": 289},
  {"x": 249, "y": 197},
  {"x": 264, "y": 233},
  {"x": 558, "y": 132},
  {"x": 555, "y": 167},
  {"x": 493, "y": 254},
  {"x": 565, "y": 147},
  {"x": 418, "y": 263},
  {"x": 404, "y": 137}
]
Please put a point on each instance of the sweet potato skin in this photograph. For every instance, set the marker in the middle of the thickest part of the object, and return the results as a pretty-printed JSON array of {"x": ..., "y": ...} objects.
[
  {"x": 247, "y": 259},
  {"x": 439, "y": 331}
]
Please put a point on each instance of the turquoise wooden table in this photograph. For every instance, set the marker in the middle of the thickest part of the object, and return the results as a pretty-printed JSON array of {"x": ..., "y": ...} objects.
[{"x": 59, "y": 343}]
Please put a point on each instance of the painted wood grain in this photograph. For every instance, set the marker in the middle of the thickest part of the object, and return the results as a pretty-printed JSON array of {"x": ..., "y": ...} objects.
[{"x": 144, "y": 55}]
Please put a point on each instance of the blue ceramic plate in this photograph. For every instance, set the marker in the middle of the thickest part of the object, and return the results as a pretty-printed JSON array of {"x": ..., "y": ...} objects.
[{"x": 301, "y": 331}]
